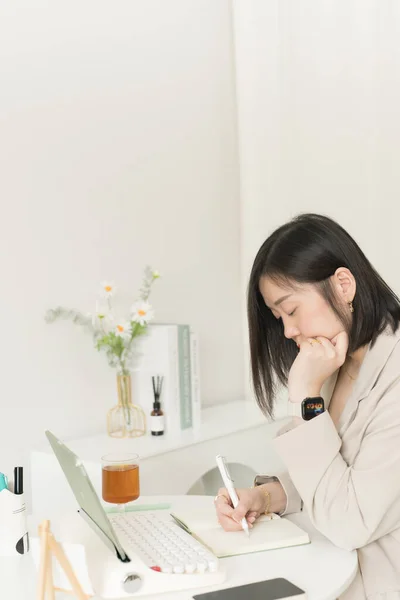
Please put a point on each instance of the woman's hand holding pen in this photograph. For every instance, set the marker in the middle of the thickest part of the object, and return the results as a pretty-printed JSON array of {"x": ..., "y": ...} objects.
[
  {"x": 252, "y": 504},
  {"x": 317, "y": 360}
]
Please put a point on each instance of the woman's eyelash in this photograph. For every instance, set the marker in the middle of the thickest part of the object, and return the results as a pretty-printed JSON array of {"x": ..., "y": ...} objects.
[{"x": 292, "y": 313}]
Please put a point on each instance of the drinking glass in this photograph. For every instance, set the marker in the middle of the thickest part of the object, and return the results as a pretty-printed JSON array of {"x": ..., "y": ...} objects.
[{"x": 120, "y": 478}]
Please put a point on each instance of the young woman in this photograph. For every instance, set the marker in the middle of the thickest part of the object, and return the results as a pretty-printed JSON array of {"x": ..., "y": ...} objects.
[{"x": 324, "y": 323}]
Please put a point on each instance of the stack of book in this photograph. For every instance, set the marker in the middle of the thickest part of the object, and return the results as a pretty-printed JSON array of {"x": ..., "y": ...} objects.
[{"x": 170, "y": 351}]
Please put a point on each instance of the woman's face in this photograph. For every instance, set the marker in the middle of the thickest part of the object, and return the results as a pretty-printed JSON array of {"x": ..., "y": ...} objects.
[{"x": 304, "y": 312}]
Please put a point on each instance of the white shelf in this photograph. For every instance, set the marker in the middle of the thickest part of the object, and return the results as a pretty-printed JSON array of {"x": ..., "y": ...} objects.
[{"x": 217, "y": 421}]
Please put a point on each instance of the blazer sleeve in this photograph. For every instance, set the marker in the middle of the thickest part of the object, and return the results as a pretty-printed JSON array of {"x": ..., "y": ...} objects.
[
  {"x": 294, "y": 503},
  {"x": 352, "y": 505}
]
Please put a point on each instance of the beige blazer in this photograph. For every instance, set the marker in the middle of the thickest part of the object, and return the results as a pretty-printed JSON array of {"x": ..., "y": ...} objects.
[{"x": 349, "y": 478}]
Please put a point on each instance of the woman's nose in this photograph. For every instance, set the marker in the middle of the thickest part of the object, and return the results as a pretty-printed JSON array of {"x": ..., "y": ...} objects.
[{"x": 291, "y": 332}]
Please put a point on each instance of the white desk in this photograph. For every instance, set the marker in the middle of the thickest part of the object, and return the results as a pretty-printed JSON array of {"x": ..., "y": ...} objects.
[{"x": 320, "y": 568}]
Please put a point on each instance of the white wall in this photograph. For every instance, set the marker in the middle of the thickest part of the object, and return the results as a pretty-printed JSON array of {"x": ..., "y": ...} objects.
[
  {"x": 318, "y": 87},
  {"x": 118, "y": 149}
]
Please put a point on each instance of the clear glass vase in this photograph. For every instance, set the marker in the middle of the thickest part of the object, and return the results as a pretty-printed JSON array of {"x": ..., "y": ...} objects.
[{"x": 125, "y": 419}]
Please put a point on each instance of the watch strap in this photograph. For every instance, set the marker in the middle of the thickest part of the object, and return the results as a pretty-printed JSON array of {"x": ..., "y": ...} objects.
[{"x": 261, "y": 479}]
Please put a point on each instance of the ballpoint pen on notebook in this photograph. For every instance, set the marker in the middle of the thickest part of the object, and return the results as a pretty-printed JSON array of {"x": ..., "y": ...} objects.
[{"x": 228, "y": 482}]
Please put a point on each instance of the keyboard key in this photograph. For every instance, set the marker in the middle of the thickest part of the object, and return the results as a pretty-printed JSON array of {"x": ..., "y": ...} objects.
[
  {"x": 179, "y": 568},
  {"x": 190, "y": 567},
  {"x": 201, "y": 566},
  {"x": 166, "y": 568},
  {"x": 212, "y": 565}
]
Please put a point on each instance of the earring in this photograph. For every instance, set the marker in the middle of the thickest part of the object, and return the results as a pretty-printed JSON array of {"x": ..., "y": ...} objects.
[{"x": 351, "y": 307}]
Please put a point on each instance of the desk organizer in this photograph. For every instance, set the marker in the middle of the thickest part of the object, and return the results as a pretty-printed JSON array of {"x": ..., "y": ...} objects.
[{"x": 14, "y": 538}]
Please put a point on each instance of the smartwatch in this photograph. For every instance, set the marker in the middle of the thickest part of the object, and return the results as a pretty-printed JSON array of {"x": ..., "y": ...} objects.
[
  {"x": 261, "y": 479},
  {"x": 312, "y": 407}
]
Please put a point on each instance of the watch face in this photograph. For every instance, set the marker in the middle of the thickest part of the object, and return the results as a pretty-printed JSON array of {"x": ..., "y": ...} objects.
[{"x": 312, "y": 407}]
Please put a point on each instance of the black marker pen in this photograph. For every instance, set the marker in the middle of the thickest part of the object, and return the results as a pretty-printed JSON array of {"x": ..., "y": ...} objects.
[{"x": 18, "y": 480}]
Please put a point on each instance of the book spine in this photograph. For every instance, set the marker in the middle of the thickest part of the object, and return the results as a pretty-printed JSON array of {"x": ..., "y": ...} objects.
[
  {"x": 172, "y": 416},
  {"x": 185, "y": 386},
  {"x": 195, "y": 377}
]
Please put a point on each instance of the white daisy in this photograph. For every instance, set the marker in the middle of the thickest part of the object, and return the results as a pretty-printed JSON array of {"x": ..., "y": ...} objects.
[
  {"x": 142, "y": 313},
  {"x": 156, "y": 274},
  {"x": 102, "y": 317},
  {"x": 103, "y": 311},
  {"x": 123, "y": 329},
  {"x": 108, "y": 289}
]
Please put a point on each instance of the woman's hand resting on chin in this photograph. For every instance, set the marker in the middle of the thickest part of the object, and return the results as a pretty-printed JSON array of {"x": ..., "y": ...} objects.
[{"x": 317, "y": 360}]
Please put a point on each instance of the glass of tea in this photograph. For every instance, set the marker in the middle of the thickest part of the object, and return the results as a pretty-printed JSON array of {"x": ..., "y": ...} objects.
[{"x": 120, "y": 478}]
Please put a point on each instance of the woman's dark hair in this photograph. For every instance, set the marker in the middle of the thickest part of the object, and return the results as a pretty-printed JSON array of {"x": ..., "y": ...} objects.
[{"x": 309, "y": 249}]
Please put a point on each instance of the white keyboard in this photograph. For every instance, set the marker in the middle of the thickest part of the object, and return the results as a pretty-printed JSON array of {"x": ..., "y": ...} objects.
[{"x": 162, "y": 545}]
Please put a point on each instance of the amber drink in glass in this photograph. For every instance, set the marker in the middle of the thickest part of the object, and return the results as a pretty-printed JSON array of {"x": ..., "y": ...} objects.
[{"x": 120, "y": 478}]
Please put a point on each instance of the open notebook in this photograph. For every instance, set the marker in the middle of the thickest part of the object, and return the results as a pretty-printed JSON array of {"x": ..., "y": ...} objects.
[{"x": 267, "y": 533}]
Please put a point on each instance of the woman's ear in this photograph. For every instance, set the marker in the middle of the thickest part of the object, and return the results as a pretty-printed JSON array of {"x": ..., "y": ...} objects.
[{"x": 345, "y": 284}]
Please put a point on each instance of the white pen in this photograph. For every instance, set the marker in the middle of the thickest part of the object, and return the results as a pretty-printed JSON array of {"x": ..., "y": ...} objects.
[{"x": 228, "y": 482}]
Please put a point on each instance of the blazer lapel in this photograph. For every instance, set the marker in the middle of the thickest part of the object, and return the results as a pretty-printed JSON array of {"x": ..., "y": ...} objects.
[{"x": 372, "y": 366}]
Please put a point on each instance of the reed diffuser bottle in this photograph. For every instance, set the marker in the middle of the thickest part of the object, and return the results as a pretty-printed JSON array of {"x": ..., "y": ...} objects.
[{"x": 157, "y": 415}]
